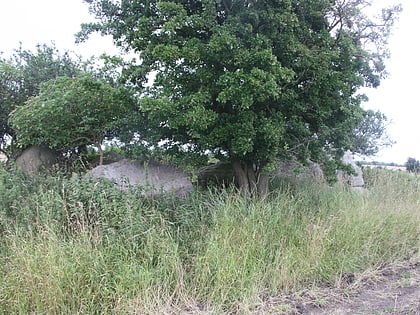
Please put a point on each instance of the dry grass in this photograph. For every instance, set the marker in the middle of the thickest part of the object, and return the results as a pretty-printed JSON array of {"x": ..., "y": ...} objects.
[{"x": 68, "y": 246}]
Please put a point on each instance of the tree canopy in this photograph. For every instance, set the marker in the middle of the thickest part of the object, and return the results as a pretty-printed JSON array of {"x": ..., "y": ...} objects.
[
  {"x": 370, "y": 135},
  {"x": 71, "y": 112},
  {"x": 21, "y": 76},
  {"x": 250, "y": 81}
]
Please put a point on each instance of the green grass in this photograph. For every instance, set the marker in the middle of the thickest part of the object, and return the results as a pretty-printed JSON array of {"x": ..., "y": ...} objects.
[{"x": 75, "y": 246}]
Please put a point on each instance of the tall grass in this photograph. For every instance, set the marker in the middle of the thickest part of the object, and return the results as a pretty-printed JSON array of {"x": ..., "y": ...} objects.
[{"x": 77, "y": 246}]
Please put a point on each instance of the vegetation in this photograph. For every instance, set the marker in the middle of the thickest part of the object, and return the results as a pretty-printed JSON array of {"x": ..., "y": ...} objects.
[
  {"x": 20, "y": 79},
  {"x": 412, "y": 165},
  {"x": 370, "y": 135},
  {"x": 72, "y": 246},
  {"x": 244, "y": 81},
  {"x": 71, "y": 113},
  {"x": 250, "y": 81}
]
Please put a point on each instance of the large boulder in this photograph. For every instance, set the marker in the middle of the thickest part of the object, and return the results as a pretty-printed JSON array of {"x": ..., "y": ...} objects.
[
  {"x": 3, "y": 158},
  {"x": 288, "y": 169},
  {"x": 218, "y": 174},
  {"x": 355, "y": 180},
  {"x": 36, "y": 159},
  {"x": 313, "y": 171},
  {"x": 109, "y": 157},
  {"x": 154, "y": 177},
  {"x": 221, "y": 174}
]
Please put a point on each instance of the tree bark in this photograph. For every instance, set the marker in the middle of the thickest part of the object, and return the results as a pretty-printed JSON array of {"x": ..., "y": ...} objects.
[
  {"x": 248, "y": 179},
  {"x": 263, "y": 185},
  {"x": 252, "y": 178},
  {"x": 101, "y": 154},
  {"x": 240, "y": 176}
]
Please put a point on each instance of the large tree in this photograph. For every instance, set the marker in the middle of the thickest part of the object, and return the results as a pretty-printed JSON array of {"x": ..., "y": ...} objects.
[
  {"x": 371, "y": 134},
  {"x": 70, "y": 113},
  {"x": 20, "y": 78},
  {"x": 250, "y": 81}
]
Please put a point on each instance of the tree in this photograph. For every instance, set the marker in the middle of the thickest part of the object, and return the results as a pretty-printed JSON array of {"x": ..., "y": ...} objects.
[
  {"x": 370, "y": 135},
  {"x": 20, "y": 77},
  {"x": 412, "y": 165},
  {"x": 250, "y": 81},
  {"x": 71, "y": 113},
  {"x": 8, "y": 89}
]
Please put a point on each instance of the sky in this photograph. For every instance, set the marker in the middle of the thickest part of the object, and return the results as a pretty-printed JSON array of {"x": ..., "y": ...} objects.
[{"x": 33, "y": 22}]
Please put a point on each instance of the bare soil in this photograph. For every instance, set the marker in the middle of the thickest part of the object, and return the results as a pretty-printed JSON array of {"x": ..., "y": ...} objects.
[
  {"x": 387, "y": 290},
  {"x": 391, "y": 289}
]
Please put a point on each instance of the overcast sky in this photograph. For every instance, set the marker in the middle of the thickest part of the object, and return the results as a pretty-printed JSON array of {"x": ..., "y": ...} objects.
[{"x": 43, "y": 21}]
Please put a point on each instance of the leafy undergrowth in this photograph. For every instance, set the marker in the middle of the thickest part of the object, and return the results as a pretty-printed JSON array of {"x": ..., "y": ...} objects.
[{"x": 78, "y": 246}]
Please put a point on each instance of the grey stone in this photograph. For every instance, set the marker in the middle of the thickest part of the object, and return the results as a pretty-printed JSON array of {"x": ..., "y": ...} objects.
[
  {"x": 295, "y": 169},
  {"x": 154, "y": 177},
  {"x": 3, "y": 158},
  {"x": 353, "y": 180},
  {"x": 219, "y": 174},
  {"x": 36, "y": 159},
  {"x": 109, "y": 157},
  {"x": 112, "y": 157},
  {"x": 313, "y": 171}
]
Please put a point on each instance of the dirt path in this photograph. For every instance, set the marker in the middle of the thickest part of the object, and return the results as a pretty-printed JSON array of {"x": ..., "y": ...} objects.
[
  {"x": 391, "y": 291},
  {"x": 388, "y": 290}
]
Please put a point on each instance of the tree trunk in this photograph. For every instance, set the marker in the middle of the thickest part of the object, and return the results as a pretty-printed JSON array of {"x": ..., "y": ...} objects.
[
  {"x": 248, "y": 179},
  {"x": 262, "y": 185},
  {"x": 252, "y": 178},
  {"x": 240, "y": 176},
  {"x": 101, "y": 153}
]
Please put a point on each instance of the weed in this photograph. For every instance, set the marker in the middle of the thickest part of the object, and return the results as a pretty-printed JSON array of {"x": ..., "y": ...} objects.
[{"x": 73, "y": 245}]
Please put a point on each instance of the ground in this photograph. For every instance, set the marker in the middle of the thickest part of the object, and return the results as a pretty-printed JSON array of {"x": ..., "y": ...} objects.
[{"x": 387, "y": 290}]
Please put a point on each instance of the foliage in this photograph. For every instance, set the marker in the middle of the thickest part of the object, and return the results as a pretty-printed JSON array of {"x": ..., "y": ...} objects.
[
  {"x": 250, "y": 81},
  {"x": 71, "y": 113},
  {"x": 79, "y": 246},
  {"x": 370, "y": 135},
  {"x": 20, "y": 77},
  {"x": 412, "y": 165}
]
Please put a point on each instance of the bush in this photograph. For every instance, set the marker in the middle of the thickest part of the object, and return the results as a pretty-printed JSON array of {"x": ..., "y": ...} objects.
[{"x": 412, "y": 165}]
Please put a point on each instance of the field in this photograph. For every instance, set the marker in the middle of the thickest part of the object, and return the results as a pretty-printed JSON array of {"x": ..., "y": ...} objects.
[
  {"x": 387, "y": 167},
  {"x": 73, "y": 246}
]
